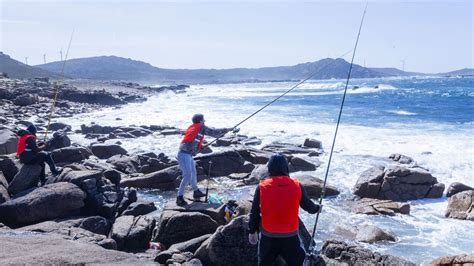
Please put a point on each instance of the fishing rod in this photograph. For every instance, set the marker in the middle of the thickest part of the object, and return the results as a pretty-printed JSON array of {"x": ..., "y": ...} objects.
[
  {"x": 277, "y": 98},
  {"x": 53, "y": 105},
  {"x": 313, "y": 243}
]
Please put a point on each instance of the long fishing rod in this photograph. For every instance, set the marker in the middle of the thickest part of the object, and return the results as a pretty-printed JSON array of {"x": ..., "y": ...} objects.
[
  {"x": 277, "y": 98},
  {"x": 313, "y": 243},
  {"x": 53, "y": 105}
]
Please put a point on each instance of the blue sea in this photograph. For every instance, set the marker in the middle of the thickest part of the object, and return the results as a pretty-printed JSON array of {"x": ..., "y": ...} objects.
[{"x": 427, "y": 118}]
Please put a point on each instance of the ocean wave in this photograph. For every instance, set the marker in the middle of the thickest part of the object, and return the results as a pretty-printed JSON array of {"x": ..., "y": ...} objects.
[{"x": 400, "y": 112}]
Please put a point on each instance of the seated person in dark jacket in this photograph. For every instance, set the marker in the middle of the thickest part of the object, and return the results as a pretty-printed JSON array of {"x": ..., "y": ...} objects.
[
  {"x": 275, "y": 214},
  {"x": 30, "y": 152}
]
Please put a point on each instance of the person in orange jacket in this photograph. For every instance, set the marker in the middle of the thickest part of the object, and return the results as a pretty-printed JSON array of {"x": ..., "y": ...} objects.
[
  {"x": 274, "y": 214},
  {"x": 191, "y": 144}
]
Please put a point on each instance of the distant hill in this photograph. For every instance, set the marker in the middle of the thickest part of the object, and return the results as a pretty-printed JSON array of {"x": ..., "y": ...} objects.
[
  {"x": 461, "y": 72},
  {"x": 118, "y": 68},
  {"x": 391, "y": 71},
  {"x": 16, "y": 69}
]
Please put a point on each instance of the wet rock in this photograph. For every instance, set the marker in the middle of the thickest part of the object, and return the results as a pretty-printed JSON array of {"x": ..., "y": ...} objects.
[
  {"x": 458, "y": 260},
  {"x": 375, "y": 207},
  {"x": 285, "y": 148},
  {"x": 139, "y": 208},
  {"x": 366, "y": 233},
  {"x": 401, "y": 159},
  {"x": 187, "y": 246},
  {"x": 10, "y": 166},
  {"x": 8, "y": 141},
  {"x": 313, "y": 143},
  {"x": 105, "y": 151},
  {"x": 59, "y": 140},
  {"x": 314, "y": 185},
  {"x": 55, "y": 126},
  {"x": 43, "y": 203},
  {"x": 71, "y": 154},
  {"x": 254, "y": 156},
  {"x": 397, "y": 184},
  {"x": 461, "y": 206},
  {"x": 28, "y": 177},
  {"x": 132, "y": 233},
  {"x": 92, "y": 97},
  {"x": 95, "y": 224},
  {"x": 296, "y": 164},
  {"x": 124, "y": 163},
  {"x": 259, "y": 173},
  {"x": 457, "y": 187},
  {"x": 51, "y": 248},
  {"x": 97, "y": 129},
  {"x": 166, "y": 179},
  {"x": 223, "y": 162},
  {"x": 337, "y": 252}
]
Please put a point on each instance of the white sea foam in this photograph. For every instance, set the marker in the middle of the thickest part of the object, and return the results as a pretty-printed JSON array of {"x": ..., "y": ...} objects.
[{"x": 400, "y": 112}]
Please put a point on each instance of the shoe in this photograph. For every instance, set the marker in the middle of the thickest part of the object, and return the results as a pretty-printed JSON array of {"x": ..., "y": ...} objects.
[
  {"x": 180, "y": 201},
  {"x": 198, "y": 194}
]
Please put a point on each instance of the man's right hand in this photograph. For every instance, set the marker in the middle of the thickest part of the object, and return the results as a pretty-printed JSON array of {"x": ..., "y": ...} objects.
[{"x": 253, "y": 238}]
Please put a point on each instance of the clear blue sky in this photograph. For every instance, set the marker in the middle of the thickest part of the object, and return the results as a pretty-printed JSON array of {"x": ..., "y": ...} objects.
[{"x": 432, "y": 36}]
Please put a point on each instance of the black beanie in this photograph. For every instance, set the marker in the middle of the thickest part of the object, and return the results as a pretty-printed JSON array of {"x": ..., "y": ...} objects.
[
  {"x": 278, "y": 165},
  {"x": 197, "y": 118},
  {"x": 32, "y": 129}
]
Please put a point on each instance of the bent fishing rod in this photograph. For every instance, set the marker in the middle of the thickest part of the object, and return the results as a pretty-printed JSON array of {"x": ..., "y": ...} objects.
[
  {"x": 55, "y": 98},
  {"x": 323, "y": 192},
  {"x": 277, "y": 98}
]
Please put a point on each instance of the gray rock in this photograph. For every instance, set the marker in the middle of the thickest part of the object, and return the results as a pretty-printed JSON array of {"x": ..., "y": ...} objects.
[
  {"x": 10, "y": 166},
  {"x": 365, "y": 233},
  {"x": 166, "y": 179},
  {"x": 400, "y": 158},
  {"x": 28, "y": 177},
  {"x": 55, "y": 126},
  {"x": 457, "y": 187},
  {"x": 398, "y": 184},
  {"x": 458, "y": 260},
  {"x": 461, "y": 206},
  {"x": 20, "y": 249},
  {"x": 285, "y": 148},
  {"x": 300, "y": 164},
  {"x": 176, "y": 227},
  {"x": 314, "y": 186},
  {"x": 43, "y": 203},
  {"x": 376, "y": 207},
  {"x": 259, "y": 173},
  {"x": 188, "y": 246},
  {"x": 25, "y": 100},
  {"x": 113, "y": 176},
  {"x": 4, "y": 195},
  {"x": 132, "y": 233},
  {"x": 71, "y": 154},
  {"x": 8, "y": 141},
  {"x": 105, "y": 151},
  {"x": 223, "y": 162},
  {"x": 96, "y": 224},
  {"x": 124, "y": 163},
  {"x": 338, "y": 252},
  {"x": 254, "y": 156},
  {"x": 139, "y": 208},
  {"x": 313, "y": 143}
]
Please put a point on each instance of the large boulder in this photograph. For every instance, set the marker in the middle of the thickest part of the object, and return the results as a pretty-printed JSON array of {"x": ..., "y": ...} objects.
[
  {"x": 132, "y": 233},
  {"x": 25, "y": 100},
  {"x": 314, "y": 186},
  {"x": 176, "y": 227},
  {"x": 56, "y": 126},
  {"x": 20, "y": 249},
  {"x": 401, "y": 159},
  {"x": 28, "y": 177},
  {"x": 10, "y": 166},
  {"x": 166, "y": 179},
  {"x": 259, "y": 173},
  {"x": 105, "y": 151},
  {"x": 397, "y": 184},
  {"x": 8, "y": 141},
  {"x": 296, "y": 164},
  {"x": 254, "y": 156},
  {"x": 313, "y": 143},
  {"x": 376, "y": 207},
  {"x": 458, "y": 260},
  {"x": 457, "y": 187},
  {"x": 461, "y": 206},
  {"x": 43, "y": 203},
  {"x": 59, "y": 140},
  {"x": 285, "y": 148},
  {"x": 187, "y": 246},
  {"x": 71, "y": 154},
  {"x": 223, "y": 162},
  {"x": 336, "y": 252}
]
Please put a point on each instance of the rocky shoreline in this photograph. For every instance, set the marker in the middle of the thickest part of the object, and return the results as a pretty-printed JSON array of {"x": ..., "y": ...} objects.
[{"x": 91, "y": 212}]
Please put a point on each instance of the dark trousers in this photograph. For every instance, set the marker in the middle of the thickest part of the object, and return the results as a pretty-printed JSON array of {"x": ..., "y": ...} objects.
[
  {"x": 40, "y": 158},
  {"x": 289, "y": 248}
]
